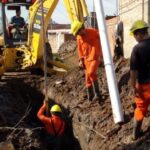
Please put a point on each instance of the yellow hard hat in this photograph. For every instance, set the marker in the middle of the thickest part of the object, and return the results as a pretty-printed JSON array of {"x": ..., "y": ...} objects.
[
  {"x": 75, "y": 26},
  {"x": 139, "y": 24},
  {"x": 56, "y": 108}
]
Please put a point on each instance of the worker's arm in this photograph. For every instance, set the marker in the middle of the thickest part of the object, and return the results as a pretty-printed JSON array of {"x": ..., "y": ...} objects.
[
  {"x": 80, "y": 53},
  {"x": 133, "y": 77},
  {"x": 134, "y": 63},
  {"x": 132, "y": 93},
  {"x": 11, "y": 24},
  {"x": 41, "y": 115},
  {"x": 79, "y": 48}
]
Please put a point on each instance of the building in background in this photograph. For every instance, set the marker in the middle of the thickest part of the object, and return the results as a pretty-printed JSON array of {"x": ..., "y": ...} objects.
[
  {"x": 58, "y": 34},
  {"x": 129, "y": 11},
  {"x": 92, "y": 20},
  {"x": 111, "y": 23}
]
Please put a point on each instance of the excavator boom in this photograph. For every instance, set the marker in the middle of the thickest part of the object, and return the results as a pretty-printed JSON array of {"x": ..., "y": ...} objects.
[
  {"x": 76, "y": 9},
  {"x": 28, "y": 55}
]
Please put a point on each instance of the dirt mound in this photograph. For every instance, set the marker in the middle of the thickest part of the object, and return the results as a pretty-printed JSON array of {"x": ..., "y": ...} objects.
[
  {"x": 92, "y": 122},
  {"x": 67, "y": 48},
  {"x": 68, "y": 53}
]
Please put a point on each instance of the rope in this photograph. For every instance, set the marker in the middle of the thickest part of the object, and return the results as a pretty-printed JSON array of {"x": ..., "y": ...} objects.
[{"x": 44, "y": 56}]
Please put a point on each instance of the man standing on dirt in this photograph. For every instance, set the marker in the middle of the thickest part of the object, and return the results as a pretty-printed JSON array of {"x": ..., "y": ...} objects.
[
  {"x": 90, "y": 56},
  {"x": 54, "y": 124},
  {"x": 140, "y": 73}
]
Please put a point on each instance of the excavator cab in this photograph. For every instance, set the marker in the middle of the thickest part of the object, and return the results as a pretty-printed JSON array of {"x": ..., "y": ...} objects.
[{"x": 14, "y": 25}]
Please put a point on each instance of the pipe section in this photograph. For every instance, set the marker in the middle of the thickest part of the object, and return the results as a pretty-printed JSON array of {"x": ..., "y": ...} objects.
[{"x": 111, "y": 79}]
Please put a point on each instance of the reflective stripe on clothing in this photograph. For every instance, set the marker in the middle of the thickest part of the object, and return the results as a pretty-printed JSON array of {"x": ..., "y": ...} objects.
[{"x": 142, "y": 100}]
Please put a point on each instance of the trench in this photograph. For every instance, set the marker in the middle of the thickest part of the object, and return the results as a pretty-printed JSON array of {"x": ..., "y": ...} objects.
[
  {"x": 21, "y": 95},
  {"x": 90, "y": 126}
]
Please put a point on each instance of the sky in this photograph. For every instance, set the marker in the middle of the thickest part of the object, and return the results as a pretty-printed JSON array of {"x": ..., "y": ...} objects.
[{"x": 60, "y": 15}]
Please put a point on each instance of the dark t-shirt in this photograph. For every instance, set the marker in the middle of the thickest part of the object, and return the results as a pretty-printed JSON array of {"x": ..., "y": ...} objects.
[
  {"x": 140, "y": 61},
  {"x": 18, "y": 21}
]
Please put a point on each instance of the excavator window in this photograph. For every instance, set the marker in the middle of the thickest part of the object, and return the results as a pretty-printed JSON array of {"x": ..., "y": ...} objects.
[{"x": 17, "y": 18}]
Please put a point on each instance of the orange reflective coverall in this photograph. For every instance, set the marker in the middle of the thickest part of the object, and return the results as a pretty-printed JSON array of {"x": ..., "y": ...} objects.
[
  {"x": 142, "y": 100},
  {"x": 54, "y": 124},
  {"x": 89, "y": 48}
]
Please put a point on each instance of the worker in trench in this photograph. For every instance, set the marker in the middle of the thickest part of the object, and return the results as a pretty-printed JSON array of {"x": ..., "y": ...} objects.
[
  {"x": 90, "y": 56},
  {"x": 140, "y": 74},
  {"x": 54, "y": 124}
]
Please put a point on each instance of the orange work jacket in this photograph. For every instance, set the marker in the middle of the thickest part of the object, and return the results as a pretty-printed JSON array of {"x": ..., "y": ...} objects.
[
  {"x": 54, "y": 125},
  {"x": 89, "y": 46}
]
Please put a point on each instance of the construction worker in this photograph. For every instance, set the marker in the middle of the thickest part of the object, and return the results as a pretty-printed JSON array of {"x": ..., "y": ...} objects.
[
  {"x": 90, "y": 56},
  {"x": 17, "y": 22},
  {"x": 54, "y": 124},
  {"x": 140, "y": 73}
]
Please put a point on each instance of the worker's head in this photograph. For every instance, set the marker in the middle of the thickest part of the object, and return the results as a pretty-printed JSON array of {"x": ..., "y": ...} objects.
[
  {"x": 18, "y": 12},
  {"x": 139, "y": 29},
  {"x": 55, "y": 109},
  {"x": 77, "y": 27}
]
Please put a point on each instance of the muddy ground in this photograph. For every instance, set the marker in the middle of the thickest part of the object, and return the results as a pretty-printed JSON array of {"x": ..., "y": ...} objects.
[{"x": 90, "y": 124}]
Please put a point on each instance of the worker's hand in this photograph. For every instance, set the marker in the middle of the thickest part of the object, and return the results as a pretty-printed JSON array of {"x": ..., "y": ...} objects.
[
  {"x": 81, "y": 64},
  {"x": 14, "y": 24}
]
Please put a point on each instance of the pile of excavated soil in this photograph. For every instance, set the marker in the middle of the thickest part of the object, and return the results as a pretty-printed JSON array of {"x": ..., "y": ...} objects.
[
  {"x": 68, "y": 53},
  {"x": 92, "y": 122},
  {"x": 67, "y": 48}
]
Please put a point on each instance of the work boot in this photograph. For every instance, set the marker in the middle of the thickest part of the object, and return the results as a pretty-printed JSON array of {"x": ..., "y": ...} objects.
[
  {"x": 97, "y": 95},
  {"x": 90, "y": 93},
  {"x": 136, "y": 129}
]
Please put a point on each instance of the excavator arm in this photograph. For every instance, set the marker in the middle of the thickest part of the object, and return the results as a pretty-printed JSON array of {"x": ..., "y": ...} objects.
[
  {"x": 31, "y": 54},
  {"x": 76, "y": 9}
]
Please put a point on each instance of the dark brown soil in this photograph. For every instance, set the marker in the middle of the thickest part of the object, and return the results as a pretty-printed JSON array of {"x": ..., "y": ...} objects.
[
  {"x": 68, "y": 53},
  {"x": 91, "y": 122}
]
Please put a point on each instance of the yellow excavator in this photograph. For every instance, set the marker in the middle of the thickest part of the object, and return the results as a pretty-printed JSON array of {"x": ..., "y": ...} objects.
[{"x": 25, "y": 50}]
